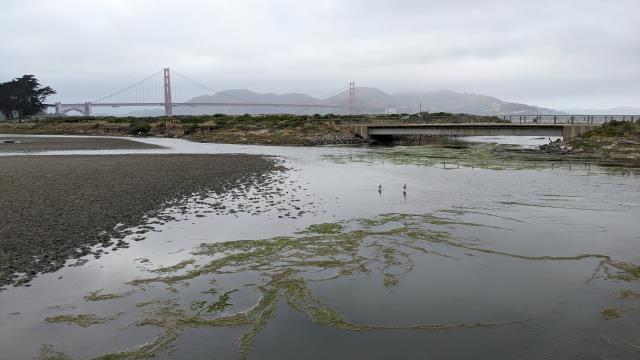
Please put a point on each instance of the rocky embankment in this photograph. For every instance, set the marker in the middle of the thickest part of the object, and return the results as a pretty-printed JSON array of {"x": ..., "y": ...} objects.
[{"x": 614, "y": 141}]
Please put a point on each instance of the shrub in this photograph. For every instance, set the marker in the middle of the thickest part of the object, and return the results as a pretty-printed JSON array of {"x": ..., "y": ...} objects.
[
  {"x": 615, "y": 128},
  {"x": 190, "y": 129},
  {"x": 139, "y": 127}
]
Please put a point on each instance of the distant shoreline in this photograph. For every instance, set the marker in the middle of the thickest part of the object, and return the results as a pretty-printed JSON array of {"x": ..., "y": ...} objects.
[{"x": 617, "y": 141}]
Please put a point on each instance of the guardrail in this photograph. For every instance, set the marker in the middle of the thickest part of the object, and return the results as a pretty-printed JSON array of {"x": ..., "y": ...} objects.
[
  {"x": 508, "y": 119},
  {"x": 568, "y": 119}
]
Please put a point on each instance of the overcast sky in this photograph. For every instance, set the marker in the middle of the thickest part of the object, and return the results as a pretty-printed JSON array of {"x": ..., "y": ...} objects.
[{"x": 561, "y": 54}]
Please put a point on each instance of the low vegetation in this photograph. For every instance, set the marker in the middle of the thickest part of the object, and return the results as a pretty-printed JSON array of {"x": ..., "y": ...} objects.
[
  {"x": 619, "y": 140},
  {"x": 615, "y": 129},
  {"x": 244, "y": 129},
  {"x": 139, "y": 127}
]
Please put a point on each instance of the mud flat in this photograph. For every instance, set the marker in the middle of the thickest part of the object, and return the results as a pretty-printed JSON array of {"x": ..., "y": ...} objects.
[
  {"x": 10, "y": 143},
  {"x": 53, "y": 208}
]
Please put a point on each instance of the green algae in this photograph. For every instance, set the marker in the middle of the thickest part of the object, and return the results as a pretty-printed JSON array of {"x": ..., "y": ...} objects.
[
  {"x": 177, "y": 267},
  {"x": 626, "y": 271},
  {"x": 82, "y": 320},
  {"x": 263, "y": 313},
  {"x": 611, "y": 313},
  {"x": 327, "y": 228},
  {"x": 169, "y": 316},
  {"x": 174, "y": 320},
  {"x": 49, "y": 352},
  {"x": 471, "y": 155},
  {"x": 489, "y": 156},
  {"x": 198, "y": 305},
  {"x": 207, "y": 307},
  {"x": 299, "y": 298},
  {"x": 222, "y": 303},
  {"x": 628, "y": 294},
  {"x": 386, "y": 244},
  {"x": 211, "y": 291},
  {"x": 97, "y": 296},
  {"x": 390, "y": 280}
]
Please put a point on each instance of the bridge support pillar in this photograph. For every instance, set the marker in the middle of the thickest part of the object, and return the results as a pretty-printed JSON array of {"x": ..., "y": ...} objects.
[
  {"x": 87, "y": 109},
  {"x": 352, "y": 98},
  {"x": 58, "y": 108},
  {"x": 361, "y": 131},
  {"x": 168, "y": 104},
  {"x": 571, "y": 131}
]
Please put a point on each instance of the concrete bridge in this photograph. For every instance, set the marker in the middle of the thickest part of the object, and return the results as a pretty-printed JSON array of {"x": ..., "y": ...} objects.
[{"x": 567, "y": 131}]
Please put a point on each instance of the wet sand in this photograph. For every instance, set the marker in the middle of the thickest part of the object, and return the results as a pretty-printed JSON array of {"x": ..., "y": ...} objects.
[
  {"x": 53, "y": 208},
  {"x": 45, "y": 143}
]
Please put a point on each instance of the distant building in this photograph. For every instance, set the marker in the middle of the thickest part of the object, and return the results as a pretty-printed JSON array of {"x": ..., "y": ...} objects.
[{"x": 391, "y": 111}]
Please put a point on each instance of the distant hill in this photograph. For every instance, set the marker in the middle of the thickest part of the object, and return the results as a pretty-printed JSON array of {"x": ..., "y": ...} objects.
[
  {"x": 368, "y": 100},
  {"x": 468, "y": 103},
  {"x": 377, "y": 101},
  {"x": 248, "y": 96},
  {"x": 243, "y": 95}
]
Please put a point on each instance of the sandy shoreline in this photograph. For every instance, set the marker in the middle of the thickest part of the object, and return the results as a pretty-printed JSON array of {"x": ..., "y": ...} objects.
[
  {"x": 10, "y": 144},
  {"x": 51, "y": 206}
]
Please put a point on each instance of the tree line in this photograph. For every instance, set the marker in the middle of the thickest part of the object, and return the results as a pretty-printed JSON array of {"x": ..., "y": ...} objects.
[{"x": 23, "y": 96}]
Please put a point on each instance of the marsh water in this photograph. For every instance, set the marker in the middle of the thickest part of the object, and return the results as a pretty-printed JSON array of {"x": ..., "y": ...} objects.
[{"x": 464, "y": 252}]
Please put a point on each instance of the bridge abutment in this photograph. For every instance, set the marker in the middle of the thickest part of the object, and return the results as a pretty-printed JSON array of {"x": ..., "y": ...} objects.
[
  {"x": 361, "y": 131},
  {"x": 571, "y": 131}
]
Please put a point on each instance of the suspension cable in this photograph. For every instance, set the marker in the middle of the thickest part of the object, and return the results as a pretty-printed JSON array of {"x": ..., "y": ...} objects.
[
  {"x": 127, "y": 88},
  {"x": 208, "y": 88}
]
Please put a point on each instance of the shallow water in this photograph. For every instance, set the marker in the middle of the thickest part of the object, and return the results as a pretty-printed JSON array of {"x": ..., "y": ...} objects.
[{"x": 477, "y": 259}]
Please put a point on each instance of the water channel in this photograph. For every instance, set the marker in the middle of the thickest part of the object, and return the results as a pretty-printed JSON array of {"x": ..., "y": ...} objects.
[{"x": 464, "y": 252}]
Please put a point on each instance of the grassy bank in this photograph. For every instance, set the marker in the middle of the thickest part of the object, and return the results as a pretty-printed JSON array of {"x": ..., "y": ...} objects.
[
  {"x": 245, "y": 129},
  {"x": 617, "y": 140},
  {"x": 273, "y": 129}
]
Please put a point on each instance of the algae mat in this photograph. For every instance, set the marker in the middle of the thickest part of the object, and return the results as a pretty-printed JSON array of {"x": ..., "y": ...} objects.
[{"x": 424, "y": 263}]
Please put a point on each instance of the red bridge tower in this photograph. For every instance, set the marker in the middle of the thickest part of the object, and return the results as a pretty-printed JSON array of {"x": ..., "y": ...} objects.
[{"x": 168, "y": 104}]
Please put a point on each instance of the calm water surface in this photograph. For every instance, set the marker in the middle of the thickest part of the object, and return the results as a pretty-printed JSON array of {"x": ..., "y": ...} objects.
[{"x": 475, "y": 259}]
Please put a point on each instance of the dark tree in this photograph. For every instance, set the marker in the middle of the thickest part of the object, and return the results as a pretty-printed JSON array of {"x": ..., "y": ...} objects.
[{"x": 24, "y": 96}]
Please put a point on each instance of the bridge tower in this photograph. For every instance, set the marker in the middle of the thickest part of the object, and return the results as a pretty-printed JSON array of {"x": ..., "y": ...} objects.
[
  {"x": 352, "y": 98},
  {"x": 168, "y": 104},
  {"x": 87, "y": 109}
]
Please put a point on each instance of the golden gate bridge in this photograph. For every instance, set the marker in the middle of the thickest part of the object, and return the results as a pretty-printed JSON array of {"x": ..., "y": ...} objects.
[
  {"x": 170, "y": 89},
  {"x": 164, "y": 87}
]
